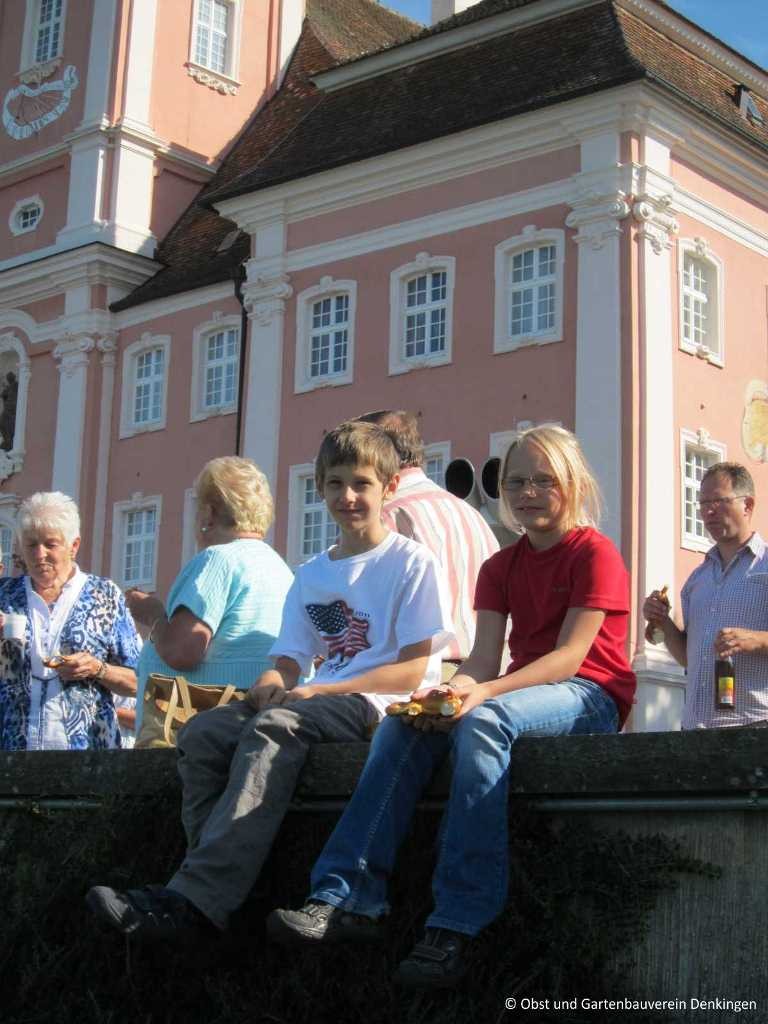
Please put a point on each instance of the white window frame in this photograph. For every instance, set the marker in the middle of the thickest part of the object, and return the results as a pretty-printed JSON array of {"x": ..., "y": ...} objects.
[
  {"x": 530, "y": 238},
  {"x": 698, "y": 249},
  {"x": 437, "y": 449},
  {"x": 200, "y": 336},
  {"x": 29, "y": 39},
  {"x": 188, "y": 521},
  {"x": 147, "y": 342},
  {"x": 327, "y": 288},
  {"x": 702, "y": 443},
  {"x": 22, "y": 205},
  {"x": 297, "y": 475},
  {"x": 120, "y": 511},
  {"x": 228, "y": 78},
  {"x": 398, "y": 310}
]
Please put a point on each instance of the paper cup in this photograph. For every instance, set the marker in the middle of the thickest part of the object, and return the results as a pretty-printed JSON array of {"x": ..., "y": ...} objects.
[{"x": 14, "y": 627}]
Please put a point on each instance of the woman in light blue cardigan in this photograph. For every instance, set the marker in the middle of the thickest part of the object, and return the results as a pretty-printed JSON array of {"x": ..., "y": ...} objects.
[{"x": 224, "y": 609}]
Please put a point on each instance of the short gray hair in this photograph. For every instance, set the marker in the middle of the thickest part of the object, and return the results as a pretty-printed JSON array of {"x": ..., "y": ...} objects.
[{"x": 48, "y": 510}]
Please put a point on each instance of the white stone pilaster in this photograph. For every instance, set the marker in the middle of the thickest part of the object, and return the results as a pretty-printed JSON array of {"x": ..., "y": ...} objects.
[
  {"x": 85, "y": 202},
  {"x": 597, "y": 212},
  {"x": 660, "y": 679},
  {"x": 265, "y": 297},
  {"x": 99, "y": 63},
  {"x": 72, "y": 354},
  {"x": 141, "y": 56},
  {"x": 107, "y": 346}
]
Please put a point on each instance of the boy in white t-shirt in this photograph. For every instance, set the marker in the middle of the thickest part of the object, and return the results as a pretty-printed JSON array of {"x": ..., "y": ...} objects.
[{"x": 374, "y": 608}]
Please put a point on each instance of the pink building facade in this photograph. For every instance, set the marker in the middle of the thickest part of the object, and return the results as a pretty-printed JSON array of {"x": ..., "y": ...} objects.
[{"x": 476, "y": 222}]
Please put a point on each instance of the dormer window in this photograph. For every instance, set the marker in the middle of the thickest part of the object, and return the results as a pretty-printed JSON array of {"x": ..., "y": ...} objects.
[{"x": 747, "y": 106}]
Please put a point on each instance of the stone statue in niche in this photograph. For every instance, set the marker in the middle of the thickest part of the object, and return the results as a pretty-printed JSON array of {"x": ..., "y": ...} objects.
[{"x": 9, "y": 394}]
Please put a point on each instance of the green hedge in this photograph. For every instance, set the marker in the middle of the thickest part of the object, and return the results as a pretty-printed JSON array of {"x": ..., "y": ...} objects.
[{"x": 579, "y": 897}]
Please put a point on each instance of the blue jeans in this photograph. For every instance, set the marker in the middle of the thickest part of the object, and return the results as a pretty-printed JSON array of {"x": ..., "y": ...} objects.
[{"x": 471, "y": 879}]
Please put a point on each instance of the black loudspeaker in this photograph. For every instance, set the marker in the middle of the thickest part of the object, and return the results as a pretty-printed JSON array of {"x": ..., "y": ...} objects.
[{"x": 460, "y": 480}]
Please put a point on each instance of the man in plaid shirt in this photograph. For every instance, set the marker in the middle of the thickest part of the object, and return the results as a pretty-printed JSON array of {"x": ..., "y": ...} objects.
[{"x": 724, "y": 606}]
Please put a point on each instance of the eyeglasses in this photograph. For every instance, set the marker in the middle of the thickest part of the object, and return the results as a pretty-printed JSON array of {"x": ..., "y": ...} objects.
[
  {"x": 718, "y": 504},
  {"x": 538, "y": 483}
]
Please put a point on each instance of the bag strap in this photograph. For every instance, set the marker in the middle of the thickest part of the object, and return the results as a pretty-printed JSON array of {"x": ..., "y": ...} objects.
[{"x": 226, "y": 695}]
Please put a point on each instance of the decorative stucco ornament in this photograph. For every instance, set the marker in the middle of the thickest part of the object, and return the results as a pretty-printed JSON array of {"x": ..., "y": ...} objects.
[
  {"x": 28, "y": 109},
  {"x": 754, "y": 426}
]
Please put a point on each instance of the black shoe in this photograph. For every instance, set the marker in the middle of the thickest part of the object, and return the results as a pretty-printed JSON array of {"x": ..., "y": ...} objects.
[
  {"x": 438, "y": 961},
  {"x": 319, "y": 922},
  {"x": 152, "y": 914}
]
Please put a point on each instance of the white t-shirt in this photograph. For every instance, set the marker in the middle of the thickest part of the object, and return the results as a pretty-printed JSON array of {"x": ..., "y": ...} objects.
[{"x": 358, "y": 613}]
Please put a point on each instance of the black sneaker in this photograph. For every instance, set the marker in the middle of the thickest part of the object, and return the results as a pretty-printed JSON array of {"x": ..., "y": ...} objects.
[
  {"x": 438, "y": 961},
  {"x": 319, "y": 922},
  {"x": 152, "y": 914}
]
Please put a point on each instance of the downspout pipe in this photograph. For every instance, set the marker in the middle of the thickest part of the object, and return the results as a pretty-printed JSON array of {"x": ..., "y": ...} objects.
[{"x": 238, "y": 277}]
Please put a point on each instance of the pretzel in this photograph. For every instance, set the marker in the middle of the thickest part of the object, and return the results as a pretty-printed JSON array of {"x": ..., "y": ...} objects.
[{"x": 436, "y": 703}]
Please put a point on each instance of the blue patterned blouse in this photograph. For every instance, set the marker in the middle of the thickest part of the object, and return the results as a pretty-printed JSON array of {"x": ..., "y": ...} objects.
[{"x": 98, "y": 623}]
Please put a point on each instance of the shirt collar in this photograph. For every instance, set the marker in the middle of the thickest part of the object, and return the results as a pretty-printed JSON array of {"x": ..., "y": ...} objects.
[
  {"x": 409, "y": 477},
  {"x": 755, "y": 545}
]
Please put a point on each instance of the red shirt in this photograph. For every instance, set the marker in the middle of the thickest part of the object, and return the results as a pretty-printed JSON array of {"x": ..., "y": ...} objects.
[{"x": 536, "y": 588}]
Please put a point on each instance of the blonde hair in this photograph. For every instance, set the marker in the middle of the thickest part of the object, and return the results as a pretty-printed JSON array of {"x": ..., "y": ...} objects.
[
  {"x": 238, "y": 493},
  {"x": 575, "y": 479},
  {"x": 355, "y": 443},
  {"x": 48, "y": 510}
]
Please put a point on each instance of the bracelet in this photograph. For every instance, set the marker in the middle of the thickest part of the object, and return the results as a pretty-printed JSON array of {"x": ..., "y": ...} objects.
[
  {"x": 101, "y": 672},
  {"x": 153, "y": 627}
]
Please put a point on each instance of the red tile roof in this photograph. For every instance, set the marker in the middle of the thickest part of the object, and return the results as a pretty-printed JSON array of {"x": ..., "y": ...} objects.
[{"x": 302, "y": 131}]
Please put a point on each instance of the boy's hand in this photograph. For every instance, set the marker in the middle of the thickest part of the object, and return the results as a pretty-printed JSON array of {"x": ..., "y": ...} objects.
[
  {"x": 300, "y": 693},
  {"x": 262, "y": 695}
]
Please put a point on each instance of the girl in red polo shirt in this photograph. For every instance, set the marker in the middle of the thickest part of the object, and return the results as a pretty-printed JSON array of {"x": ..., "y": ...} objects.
[{"x": 566, "y": 590}]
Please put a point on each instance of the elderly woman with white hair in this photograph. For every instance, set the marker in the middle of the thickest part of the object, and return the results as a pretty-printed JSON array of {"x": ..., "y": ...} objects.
[{"x": 69, "y": 643}]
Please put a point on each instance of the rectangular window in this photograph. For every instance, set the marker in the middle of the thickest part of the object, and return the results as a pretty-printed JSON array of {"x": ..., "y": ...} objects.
[
  {"x": 139, "y": 544},
  {"x": 434, "y": 468},
  {"x": 148, "y": 392},
  {"x": 212, "y": 33},
  {"x": 425, "y": 314},
  {"x": 222, "y": 353},
  {"x": 695, "y": 302},
  {"x": 329, "y": 336},
  {"x": 318, "y": 530},
  {"x": 697, "y": 461},
  {"x": 48, "y": 35},
  {"x": 532, "y": 291}
]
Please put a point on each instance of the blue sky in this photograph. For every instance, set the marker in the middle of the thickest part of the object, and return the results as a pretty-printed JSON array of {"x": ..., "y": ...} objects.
[{"x": 743, "y": 24}]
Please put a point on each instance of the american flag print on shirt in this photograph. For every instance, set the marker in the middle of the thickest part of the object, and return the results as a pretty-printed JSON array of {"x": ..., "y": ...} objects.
[{"x": 344, "y": 630}]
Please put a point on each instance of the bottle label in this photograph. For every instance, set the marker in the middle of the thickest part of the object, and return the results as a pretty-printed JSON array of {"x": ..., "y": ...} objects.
[{"x": 725, "y": 691}]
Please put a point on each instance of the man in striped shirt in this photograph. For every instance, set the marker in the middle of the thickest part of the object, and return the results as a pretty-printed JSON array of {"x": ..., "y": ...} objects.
[
  {"x": 724, "y": 605},
  {"x": 454, "y": 532}
]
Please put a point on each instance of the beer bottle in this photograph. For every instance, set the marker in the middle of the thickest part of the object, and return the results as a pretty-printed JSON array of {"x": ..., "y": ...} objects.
[{"x": 725, "y": 684}]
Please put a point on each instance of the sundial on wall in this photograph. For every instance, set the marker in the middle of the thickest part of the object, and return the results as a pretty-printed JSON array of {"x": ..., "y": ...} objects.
[{"x": 29, "y": 108}]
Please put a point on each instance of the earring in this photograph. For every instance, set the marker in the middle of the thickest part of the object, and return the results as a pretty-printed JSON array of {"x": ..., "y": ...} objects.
[{"x": 204, "y": 529}]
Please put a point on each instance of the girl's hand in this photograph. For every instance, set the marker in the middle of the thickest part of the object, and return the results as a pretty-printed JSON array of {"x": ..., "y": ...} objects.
[{"x": 471, "y": 695}]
